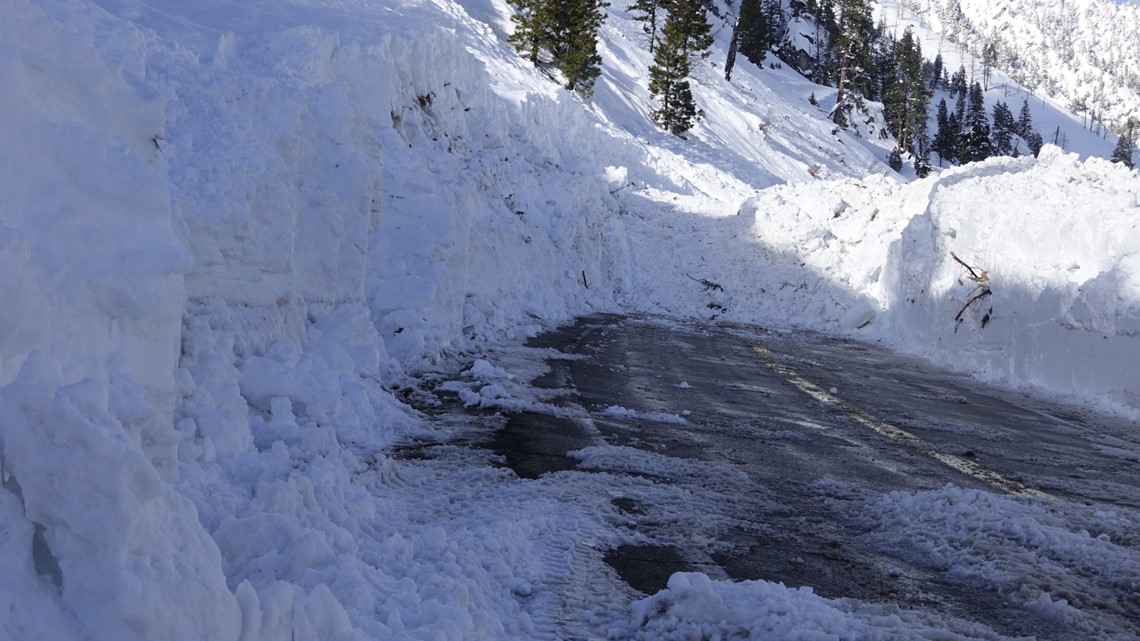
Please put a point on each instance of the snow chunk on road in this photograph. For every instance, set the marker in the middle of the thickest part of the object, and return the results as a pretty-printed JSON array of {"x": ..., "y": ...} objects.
[
  {"x": 482, "y": 370},
  {"x": 617, "y": 411},
  {"x": 1054, "y": 557},
  {"x": 694, "y": 607}
]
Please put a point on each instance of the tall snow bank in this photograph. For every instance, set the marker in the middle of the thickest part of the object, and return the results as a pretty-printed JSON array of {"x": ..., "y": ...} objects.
[
  {"x": 93, "y": 536},
  {"x": 1057, "y": 238},
  {"x": 217, "y": 248}
]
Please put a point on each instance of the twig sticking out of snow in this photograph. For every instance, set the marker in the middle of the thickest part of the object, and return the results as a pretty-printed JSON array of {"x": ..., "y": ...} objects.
[
  {"x": 984, "y": 277},
  {"x": 981, "y": 291},
  {"x": 709, "y": 285}
]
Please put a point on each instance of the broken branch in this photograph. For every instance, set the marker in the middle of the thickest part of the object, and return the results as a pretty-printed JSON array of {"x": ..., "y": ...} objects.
[
  {"x": 707, "y": 283},
  {"x": 983, "y": 291},
  {"x": 974, "y": 276}
]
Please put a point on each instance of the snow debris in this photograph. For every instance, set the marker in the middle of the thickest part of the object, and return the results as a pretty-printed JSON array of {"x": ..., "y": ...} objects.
[
  {"x": 617, "y": 411},
  {"x": 695, "y": 607}
]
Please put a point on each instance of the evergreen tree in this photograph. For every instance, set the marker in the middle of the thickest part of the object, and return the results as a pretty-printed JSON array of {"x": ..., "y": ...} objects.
[
  {"x": 651, "y": 12},
  {"x": 851, "y": 55},
  {"x": 574, "y": 42},
  {"x": 532, "y": 27},
  {"x": 894, "y": 160},
  {"x": 691, "y": 17},
  {"x": 826, "y": 30},
  {"x": 975, "y": 142},
  {"x": 1126, "y": 145},
  {"x": 1025, "y": 121},
  {"x": 749, "y": 36},
  {"x": 907, "y": 97},
  {"x": 882, "y": 65},
  {"x": 946, "y": 138},
  {"x": 936, "y": 71},
  {"x": 958, "y": 88},
  {"x": 753, "y": 31},
  {"x": 989, "y": 59},
  {"x": 922, "y": 166},
  {"x": 776, "y": 22},
  {"x": 685, "y": 35},
  {"x": 1003, "y": 130},
  {"x": 1034, "y": 142},
  {"x": 568, "y": 31}
]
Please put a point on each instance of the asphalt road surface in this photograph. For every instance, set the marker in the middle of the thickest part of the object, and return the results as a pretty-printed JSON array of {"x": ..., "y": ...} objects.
[{"x": 794, "y": 425}]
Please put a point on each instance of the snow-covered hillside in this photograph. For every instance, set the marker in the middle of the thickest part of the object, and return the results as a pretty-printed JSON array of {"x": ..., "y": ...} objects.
[
  {"x": 1085, "y": 54},
  {"x": 229, "y": 228}
]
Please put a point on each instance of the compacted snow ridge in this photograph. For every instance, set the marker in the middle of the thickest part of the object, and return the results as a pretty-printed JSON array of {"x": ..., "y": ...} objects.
[{"x": 231, "y": 231}]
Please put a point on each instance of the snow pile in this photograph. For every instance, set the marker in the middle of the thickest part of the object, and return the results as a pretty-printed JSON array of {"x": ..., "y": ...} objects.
[
  {"x": 91, "y": 323},
  {"x": 1055, "y": 238},
  {"x": 694, "y": 607},
  {"x": 617, "y": 411},
  {"x": 1054, "y": 558},
  {"x": 211, "y": 267}
]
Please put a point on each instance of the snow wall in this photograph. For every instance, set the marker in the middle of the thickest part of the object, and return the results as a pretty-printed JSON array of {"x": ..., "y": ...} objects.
[
  {"x": 1053, "y": 240},
  {"x": 212, "y": 261}
]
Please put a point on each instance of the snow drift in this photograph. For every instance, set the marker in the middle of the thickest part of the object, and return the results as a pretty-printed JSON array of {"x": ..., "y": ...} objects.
[{"x": 1055, "y": 236}]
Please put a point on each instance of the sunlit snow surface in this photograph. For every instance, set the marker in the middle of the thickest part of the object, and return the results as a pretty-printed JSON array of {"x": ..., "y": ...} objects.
[{"x": 229, "y": 229}]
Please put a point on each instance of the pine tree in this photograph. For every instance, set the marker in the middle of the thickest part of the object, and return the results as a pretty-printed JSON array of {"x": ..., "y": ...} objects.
[
  {"x": 575, "y": 42},
  {"x": 826, "y": 31},
  {"x": 1034, "y": 142},
  {"x": 1126, "y": 145},
  {"x": 958, "y": 87},
  {"x": 936, "y": 71},
  {"x": 989, "y": 59},
  {"x": 753, "y": 31},
  {"x": 907, "y": 97},
  {"x": 685, "y": 35},
  {"x": 945, "y": 140},
  {"x": 567, "y": 30},
  {"x": 1003, "y": 129},
  {"x": 776, "y": 22},
  {"x": 975, "y": 142},
  {"x": 1024, "y": 121},
  {"x": 851, "y": 54},
  {"x": 749, "y": 36},
  {"x": 894, "y": 160},
  {"x": 651, "y": 12},
  {"x": 532, "y": 27},
  {"x": 883, "y": 64}
]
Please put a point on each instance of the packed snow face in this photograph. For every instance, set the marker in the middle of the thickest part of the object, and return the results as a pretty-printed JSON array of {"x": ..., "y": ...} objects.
[
  {"x": 219, "y": 246},
  {"x": 1056, "y": 238}
]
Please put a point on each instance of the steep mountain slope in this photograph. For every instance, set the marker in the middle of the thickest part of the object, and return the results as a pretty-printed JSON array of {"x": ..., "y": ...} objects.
[{"x": 1084, "y": 53}]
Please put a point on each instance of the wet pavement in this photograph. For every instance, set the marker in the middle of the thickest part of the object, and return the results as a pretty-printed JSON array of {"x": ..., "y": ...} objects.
[{"x": 784, "y": 420}]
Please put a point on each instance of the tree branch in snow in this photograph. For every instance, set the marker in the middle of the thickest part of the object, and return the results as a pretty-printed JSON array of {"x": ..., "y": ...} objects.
[
  {"x": 983, "y": 277},
  {"x": 709, "y": 285},
  {"x": 981, "y": 291}
]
